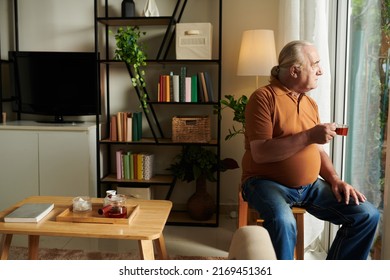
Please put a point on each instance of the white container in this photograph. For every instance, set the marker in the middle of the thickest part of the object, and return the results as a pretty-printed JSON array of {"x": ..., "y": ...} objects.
[
  {"x": 141, "y": 193},
  {"x": 82, "y": 204},
  {"x": 194, "y": 40}
]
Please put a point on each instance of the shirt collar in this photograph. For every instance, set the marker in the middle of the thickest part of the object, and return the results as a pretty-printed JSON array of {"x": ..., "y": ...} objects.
[{"x": 280, "y": 89}]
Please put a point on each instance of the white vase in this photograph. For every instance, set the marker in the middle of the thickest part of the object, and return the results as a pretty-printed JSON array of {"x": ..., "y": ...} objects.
[{"x": 151, "y": 9}]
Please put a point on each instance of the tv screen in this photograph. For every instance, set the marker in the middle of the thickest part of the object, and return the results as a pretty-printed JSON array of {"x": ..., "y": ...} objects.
[{"x": 57, "y": 84}]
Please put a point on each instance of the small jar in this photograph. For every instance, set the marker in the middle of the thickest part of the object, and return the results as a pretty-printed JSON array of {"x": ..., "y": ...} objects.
[
  {"x": 82, "y": 204},
  {"x": 109, "y": 193}
]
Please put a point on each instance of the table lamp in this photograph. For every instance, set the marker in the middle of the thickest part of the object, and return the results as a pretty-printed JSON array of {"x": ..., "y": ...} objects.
[{"x": 257, "y": 54}]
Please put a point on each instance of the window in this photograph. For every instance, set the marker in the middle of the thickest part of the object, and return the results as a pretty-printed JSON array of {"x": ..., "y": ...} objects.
[{"x": 364, "y": 38}]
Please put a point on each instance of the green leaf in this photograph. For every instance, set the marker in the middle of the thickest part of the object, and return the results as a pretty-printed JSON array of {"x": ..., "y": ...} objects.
[{"x": 131, "y": 51}]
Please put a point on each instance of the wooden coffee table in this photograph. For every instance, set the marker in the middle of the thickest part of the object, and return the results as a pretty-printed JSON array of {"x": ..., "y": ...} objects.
[{"x": 146, "y": 227}]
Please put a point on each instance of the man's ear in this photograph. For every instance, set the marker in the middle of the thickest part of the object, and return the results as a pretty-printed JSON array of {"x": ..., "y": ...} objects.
[{"x": 294, "y": 71}]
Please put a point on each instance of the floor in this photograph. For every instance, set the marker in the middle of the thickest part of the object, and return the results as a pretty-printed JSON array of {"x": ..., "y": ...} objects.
[{"x": 180, "y": 240}]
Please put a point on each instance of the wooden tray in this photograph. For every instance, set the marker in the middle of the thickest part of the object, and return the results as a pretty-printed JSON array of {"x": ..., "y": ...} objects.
[{"x": 94, "y": 217}]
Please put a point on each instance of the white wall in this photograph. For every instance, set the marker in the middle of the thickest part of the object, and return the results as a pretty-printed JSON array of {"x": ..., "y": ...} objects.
[
  {"x": 68, "y": 25},
  {"x": 239, "y": 16}
]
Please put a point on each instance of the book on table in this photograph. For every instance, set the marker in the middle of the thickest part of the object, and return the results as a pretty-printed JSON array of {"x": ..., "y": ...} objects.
[{"x": 29, "y": 213}]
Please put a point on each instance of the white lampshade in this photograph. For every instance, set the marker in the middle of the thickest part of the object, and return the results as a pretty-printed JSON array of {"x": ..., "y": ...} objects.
[{"x": 257, "y": 53}]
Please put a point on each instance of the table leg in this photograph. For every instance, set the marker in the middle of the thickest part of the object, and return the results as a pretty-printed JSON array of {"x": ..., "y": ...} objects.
[
  {"x": 161, "y": 248},
  {"x": 146, "y": 249},
  {"x": 5, "y": 245},
  {"x": 33, "y": 247}
]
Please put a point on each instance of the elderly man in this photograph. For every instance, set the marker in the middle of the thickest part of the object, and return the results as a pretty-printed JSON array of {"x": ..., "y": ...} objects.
[{"x": 284, "y": 164}]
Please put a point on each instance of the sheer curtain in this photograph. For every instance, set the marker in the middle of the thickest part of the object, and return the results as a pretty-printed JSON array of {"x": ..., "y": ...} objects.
[
  {"x": 308, "y": 20},
  {"x": 368, "y": 101},
  {"x": 368, "y": 98}
]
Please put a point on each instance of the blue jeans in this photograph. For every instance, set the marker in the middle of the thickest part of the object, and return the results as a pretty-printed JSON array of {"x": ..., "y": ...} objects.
[{"x": 274, "y": 201}]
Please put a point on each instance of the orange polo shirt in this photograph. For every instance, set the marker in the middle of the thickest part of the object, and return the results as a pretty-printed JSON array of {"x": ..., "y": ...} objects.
[{"x": 272, "y": 112}]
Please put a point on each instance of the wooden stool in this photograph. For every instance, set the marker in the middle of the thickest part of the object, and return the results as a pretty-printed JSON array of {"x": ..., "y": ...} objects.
[{"x": 248, "y": 216}]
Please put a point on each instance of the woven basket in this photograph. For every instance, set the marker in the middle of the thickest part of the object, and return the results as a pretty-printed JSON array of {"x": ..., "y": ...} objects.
[{"x": 191, "y": 129}]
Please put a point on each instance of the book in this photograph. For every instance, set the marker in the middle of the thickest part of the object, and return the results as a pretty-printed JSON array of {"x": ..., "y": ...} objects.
[
  {"x": 134, "y": 127},
  {"x": 113, "y": 129},
  {"x": 170, "y": 87},
  {"x": 29, "y": 213},
  {"x": 182, "y": 80},
  {"x": 140, "y": 167},
  {"x": 200, "y": 88},
  {"x": 137, "y": 126},
  {"x": 124, "y": 126},
  {"x": 176, "y": 88},
  {"x": 194, "y": 88},
  {"x": 135, "y": 166},
  {"x": 161, "y": 89},
  {"x": 204, "y": 87},
  {"x": 119, "y": 125},
  {"x": 129, "y": 127},
  {"x": 119, "y": 164},
  {"x": 188, "y": 90},
  {"x": 148, "y": 162},
  {"x": 126, "y": 166},
  {"x": 209, "y": 87},
  {"x": 131, "y": 166},
  {"x": 165, "y": 88}
]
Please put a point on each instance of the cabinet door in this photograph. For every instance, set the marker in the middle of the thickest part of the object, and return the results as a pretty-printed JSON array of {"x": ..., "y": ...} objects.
[
  {"x": 18, "y": 166},
  {"x": 64, "y": 163}
]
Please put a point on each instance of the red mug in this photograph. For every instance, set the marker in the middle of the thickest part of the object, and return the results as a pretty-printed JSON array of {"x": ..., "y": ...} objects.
[{"x": 342, "y": 129}]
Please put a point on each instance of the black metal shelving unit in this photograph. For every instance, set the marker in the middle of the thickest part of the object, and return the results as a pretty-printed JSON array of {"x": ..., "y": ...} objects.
[{"x": 102, "y": 25}]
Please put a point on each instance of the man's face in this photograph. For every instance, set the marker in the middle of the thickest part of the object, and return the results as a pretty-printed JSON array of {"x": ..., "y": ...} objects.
[{"x": 310, "y": 70}]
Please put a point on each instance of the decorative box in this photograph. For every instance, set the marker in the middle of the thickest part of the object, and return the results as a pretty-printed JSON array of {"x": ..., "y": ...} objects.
[
  {"x": 141, "y": 193},
  {"x": 194, "y": 40},
  {"x": 191, "y": 129}
]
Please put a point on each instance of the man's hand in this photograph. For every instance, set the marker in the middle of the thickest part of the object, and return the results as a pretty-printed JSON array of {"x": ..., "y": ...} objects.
[
  {"x": 344, "y": 191},
  {"x": 322, "y": 133}
]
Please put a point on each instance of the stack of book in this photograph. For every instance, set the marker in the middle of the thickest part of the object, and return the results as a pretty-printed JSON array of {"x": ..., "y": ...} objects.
[
  {"x": 184, "y": 88},
  {"x": 134, "y": 166},
  {"x": 126, "y": 126}
]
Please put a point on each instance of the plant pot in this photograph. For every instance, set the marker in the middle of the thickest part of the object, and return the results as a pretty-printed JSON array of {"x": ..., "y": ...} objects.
[{"x": 201, "y": 205}]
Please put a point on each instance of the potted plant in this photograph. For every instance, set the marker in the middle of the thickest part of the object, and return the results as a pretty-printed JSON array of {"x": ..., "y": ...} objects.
[
  {"x": 131, "y": 51},
  {"x": 196, "y": 163},
  {"x": 238, "y": 106}
]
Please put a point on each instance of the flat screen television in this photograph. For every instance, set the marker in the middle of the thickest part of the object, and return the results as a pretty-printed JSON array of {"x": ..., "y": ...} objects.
[{"x": 55, "y": 84}]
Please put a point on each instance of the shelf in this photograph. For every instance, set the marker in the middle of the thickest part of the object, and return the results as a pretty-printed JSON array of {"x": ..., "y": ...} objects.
[
  {"x": 166, "y": 180},
  {"x": 184, "y": 61},
  {"x": 156, "y": 136},
  {"x": 156, "y": 180},
  {"x": 134, "y": 21},
  {"x": 7, "y": 99},
  {"x": 183, "y": 103},
  {"x": 151, "y": 141},
  {"x": 166, "y": 61},
  {"x": 183, "y": 219}
]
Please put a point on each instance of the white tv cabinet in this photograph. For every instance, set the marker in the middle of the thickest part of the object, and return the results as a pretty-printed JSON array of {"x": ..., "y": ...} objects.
[{"x": 46, "y": 159}]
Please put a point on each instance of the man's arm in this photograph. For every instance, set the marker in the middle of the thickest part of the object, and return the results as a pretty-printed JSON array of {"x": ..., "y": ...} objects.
[
  {"x": 272, "y": 150},
  {"x": 341, "y": 189}
]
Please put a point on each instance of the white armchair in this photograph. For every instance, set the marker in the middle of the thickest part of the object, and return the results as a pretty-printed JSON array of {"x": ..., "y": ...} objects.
[{"x": 251, "y": 243}]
